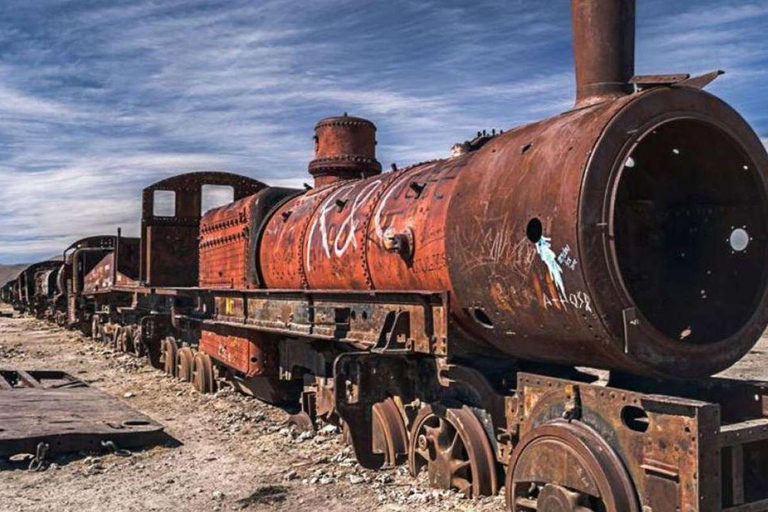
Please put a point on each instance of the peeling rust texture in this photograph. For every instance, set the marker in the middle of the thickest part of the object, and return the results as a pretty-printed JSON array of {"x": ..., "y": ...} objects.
[
  {"x": 229, "y": 237},
  {"x": 684, "y": 452},
  {"x": 604, "y": 49}
]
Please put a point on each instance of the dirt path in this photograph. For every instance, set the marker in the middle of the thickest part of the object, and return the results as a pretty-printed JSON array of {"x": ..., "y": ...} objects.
[{"x": 236, "y": 452}]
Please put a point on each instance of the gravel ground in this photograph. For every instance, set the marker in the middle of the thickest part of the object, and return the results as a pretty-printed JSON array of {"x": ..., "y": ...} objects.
[{"x": 236, "y": 453}]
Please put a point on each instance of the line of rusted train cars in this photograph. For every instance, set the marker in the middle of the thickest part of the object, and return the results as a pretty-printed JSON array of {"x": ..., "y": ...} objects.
[{"x": 447, "y": 314}]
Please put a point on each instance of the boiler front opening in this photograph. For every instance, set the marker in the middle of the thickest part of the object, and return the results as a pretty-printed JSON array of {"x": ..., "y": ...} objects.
[{"x": 690, "y": 231}]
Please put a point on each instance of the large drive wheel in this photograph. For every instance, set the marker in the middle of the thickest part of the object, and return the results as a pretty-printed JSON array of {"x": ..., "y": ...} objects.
[
  {"x": 185, "y": 361},
  {"x": 390, "y": 436},
  {"x": 169, "y": 350},
  {"x": 203, "y": 378},
  {"x": 454, "y": 448},
  {"x": 567, "y": 467}
]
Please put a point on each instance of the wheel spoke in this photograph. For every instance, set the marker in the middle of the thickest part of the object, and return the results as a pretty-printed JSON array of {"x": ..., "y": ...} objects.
[
  {"x": 458, "y": 465},
  {"x": 462, "y": 484},
  {"x": 432, "y": 434},
  {"x": 423, "y": 453},
  {"x": 455, "y": 443}
]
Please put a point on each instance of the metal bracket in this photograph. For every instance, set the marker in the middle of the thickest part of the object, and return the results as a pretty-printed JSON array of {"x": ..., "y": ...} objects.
[{"x": 572, "y": 402}]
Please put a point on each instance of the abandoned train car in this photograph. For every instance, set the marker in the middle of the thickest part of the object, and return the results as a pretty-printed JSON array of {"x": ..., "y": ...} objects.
[{"x": 444, "y": 313}]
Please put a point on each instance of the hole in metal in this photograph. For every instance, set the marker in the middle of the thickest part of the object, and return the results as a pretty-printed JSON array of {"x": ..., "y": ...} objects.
[
  {"x": 635, "y": 419},
  {"x": 534, "y": 230},
  {"x": 482, "y": 318}
]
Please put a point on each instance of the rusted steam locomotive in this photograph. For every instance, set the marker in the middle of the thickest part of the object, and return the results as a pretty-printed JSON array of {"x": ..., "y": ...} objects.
[{"x": 448, "y": 314}]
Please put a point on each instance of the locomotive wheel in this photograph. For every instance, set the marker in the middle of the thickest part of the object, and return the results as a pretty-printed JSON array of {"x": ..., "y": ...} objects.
[
  {"x": 390, "y": 436},
  {"x": 170, "y": 350},
  {"x": 346, "y": 437},
  {"x": 139, "y": 348},
  {"x": 126, "y": 340},
  {"x": 185, "y": 361},
  {"x": 116, "y": 334},
  {"x": 202, "y": 378},
  {"x": 453, "y": 446},
  {"x": 106, "y": 333},
  {"x": 567, "y": 467},
  {"x": 154, "y": 351},
  {"x": 95, "y": 329},
  {"x": 302, "y": 421}
]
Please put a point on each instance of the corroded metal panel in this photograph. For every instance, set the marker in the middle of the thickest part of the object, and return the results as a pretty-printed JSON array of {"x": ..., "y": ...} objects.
[
  {"x": 249, "y": 352},
  {"x": 54, "y": 408}
]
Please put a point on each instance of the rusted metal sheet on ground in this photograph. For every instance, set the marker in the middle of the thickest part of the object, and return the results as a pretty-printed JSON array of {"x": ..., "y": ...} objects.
[{"x": 54, "y": 408}]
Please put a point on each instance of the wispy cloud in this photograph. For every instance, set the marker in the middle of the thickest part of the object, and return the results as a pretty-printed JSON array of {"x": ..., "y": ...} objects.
[{"x": 99, "y": 99}]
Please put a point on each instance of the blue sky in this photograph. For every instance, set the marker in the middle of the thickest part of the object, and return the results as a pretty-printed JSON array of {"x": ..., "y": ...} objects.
[{"x": 99, "y": 98}]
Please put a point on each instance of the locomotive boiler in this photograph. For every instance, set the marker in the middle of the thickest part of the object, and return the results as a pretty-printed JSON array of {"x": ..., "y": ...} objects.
[
  {"x": 451, "y": 314},
  {"x": 626, "y": 234}
]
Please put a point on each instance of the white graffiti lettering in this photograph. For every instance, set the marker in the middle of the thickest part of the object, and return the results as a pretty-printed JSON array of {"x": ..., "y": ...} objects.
[{"x": 345, "y": 236}]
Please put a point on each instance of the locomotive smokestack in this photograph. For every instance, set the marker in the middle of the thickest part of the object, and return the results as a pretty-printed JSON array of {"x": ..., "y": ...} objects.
[
  {"x": 604, "y": 48},
  {"x": 345, "y": 148}
]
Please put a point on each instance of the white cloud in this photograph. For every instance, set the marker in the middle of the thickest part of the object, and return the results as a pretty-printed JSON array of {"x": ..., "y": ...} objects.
[{"x": 101, "y": 102}]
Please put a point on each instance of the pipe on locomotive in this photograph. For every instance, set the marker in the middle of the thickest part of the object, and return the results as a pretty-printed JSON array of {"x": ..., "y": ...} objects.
[{"x": 604, "y": 49}]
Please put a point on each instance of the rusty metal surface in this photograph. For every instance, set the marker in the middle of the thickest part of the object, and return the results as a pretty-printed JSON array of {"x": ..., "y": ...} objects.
[
  {"x": 229, "y": 239},
  {"x": 345, "y": 148},
  {"x": 414, "y": 322},
  {"x": 249, "y": 352},
  {"x": 390, "y": 436},
  {"x": 567, "y": 466},
  {"x": 678, "y": 452},
  {"x": 604, "y": 49},
  {"x": 224, "y": 246},
  {"x": 53, "y": 407},
  {"x": 528, "y": 272},
  {"x": 169, "y": 244},
  {"x": 102, "y": 277},
  {"x": 451, "y": 445}
]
